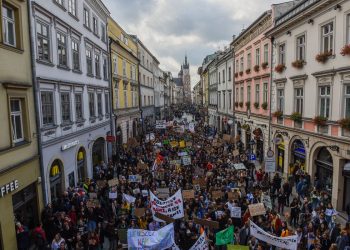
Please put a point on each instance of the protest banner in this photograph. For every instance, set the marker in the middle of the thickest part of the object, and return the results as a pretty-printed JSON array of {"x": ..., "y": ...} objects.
[
  {"x": 163, "y": 193},
  {"x": 217, "y": 194},
  {"x": 165, "y": 218},
  {"x": 144, "y": 239},
  {"x": 144, "y": 193},
  {"x": 257, "y": 209},
  {"x": 201, "y": 243},
  {"x": 139, "y": 212},
  {"x": 112, "y": 195},
  {"x": 113, "y": 182},
  {"x": 128, "y": 198},
  {"x": 186, "y": 160},
  {"x": 172, "y": 207},
  {"x": 135, "y": 178},
  {"x": 266, "y": 199},
  {"x": 289, "y": 243},
  {"x": 208, "y": 223},
  {"x": 236, "y": 212},
  {"x": 237, "y": 247},
  {"x": 225, "y": 236},
  {"x": 188, "y": 194}
]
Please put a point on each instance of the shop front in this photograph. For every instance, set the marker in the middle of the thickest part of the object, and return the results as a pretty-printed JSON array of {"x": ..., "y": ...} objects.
[
  {"x": 298, "y": 153},
  {"x": 280, "y": 147},
  {"x": 81, "y": 164},
  {"x": 98, "y": 151},
  {"x": 324, "y": 170},
  {"x": 20, "y": 201},
  {"x": 259, "y": 150},
  {"x": 56, "y": 179},
  {"x": 346, "y": 174}
]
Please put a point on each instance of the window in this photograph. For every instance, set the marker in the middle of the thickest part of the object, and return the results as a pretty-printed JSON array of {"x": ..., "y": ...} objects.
[
  {"x": 280, "y": 100},
  {"x": 282, "y": 54},
  {"x": 325, "y": 100},
  {"x": 348, "y": 29},
  {"x": 241, "y": 68},
  {"x": 72, "y": 7},
  {"x": 265, "y": 98},
  {"x": 61, "y": 49},
  {"x": 257, "y": 93},
  {"x": 219, "y": 78},
  {"x": 94, "y": 25},
  {"x": 299, "y": 100},
  {"x": 223, "y": 99},
  {"x": 125, "y": 98},
  {"x": 223, "y": 75},
  {"x": 99, "y": 104},
  {"x": 47, "y": 108},
  {"x": 327, "y": 38},
  {"x": 347, "y": 101},
  {"x": 89, "y": 61},
  {"x": 242, "y": 95},
  {"x": 219, "y": 99},
  {"x": 230, "y": 100},
  {"x": 9, "y": 26},
  {"x": 124, "y": 68},
  {"x": 248, "y": 93},
  {"x": 237, "y": 95},
  {"x": 75, "y": 55},
  {"x": 229, "y": 74},
  {"x": 97, "y": 65},
  {"x": 16, "y": 120},
  {"x": 79, "y": 107},
  {"x": 144, "y": 100},
  {"x": 92, "y": 104},
  {"x": 65, "y": 107},
  {"x": 149, "y": 100},
  {"x": 107, "y": 103},
  {"x": 115, "y": 65},
  {"x": 266, "y": 53},
  {"x": 237, "y": 66},
  {"x": 257, "y": 57},
  {"x": 103, "y": 33},
  {"x": 105, "y": 68},
  {"x": 301, "y": 47},
  {"x": 60, "y": 2},
  {"x": 43, "y": 41},
  {"x": 249, "y": 61},
  {"x": 86, "y": 18}
]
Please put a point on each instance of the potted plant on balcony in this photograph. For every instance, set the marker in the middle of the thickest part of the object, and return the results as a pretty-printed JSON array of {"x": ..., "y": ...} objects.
[
  {"x": 241, "y": 73},
  {"x": 236, "y": 104},
  {"x": 278, "y": 114},
  {"x": 241, "y": 104},
  {"x": 236, "y": 75},
  {"x": 280, "y": 68},
  {"x": 345, "y": 123},
  {"x": 256, "y": 68},
  {"x": 345, "y": 50},
  {"x": 256, "y": 105},
  {"x": 264, "y": 105},
  {"x": 296, "y": 117},
  {"x": 298, "y": 64},
  {"x": 264, "y": 65},
  {"x": 323, "y": 56},
  {"x": 320, "y": 120},
  {"x": 247, "y": 104},
  {"x": 247, "y": 71}
]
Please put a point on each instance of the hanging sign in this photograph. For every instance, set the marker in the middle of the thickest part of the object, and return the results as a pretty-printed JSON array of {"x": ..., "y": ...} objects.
[{"x": 69, "y": 145}]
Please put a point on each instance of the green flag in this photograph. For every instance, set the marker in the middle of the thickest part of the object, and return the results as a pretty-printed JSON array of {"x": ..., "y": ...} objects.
[{"x": 225, "y": 236}]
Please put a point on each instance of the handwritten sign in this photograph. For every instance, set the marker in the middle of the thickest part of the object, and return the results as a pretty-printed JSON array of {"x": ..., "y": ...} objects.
[
  {"x": 163, "y": 193},
  {"x": 188, "y": 194},
  {"x": 217, "y": 194},
  {"x": 257, "y": 209},
  {"x": 113, "y": 182},
  {"x": 139, "y": 212},
  {"x": 200, "y": 181},
  {"x": 135, "y": 178}
]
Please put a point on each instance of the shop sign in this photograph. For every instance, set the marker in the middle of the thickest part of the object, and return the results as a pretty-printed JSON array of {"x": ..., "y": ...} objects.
[
  {"x": 9, "y": 187},
  {"x": 110, "y": 138},
  {"x": 347, "y": 167},
  {"x": 70, "y": 145}
]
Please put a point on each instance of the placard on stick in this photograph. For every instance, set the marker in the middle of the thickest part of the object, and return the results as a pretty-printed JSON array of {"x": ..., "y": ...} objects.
[
  {"x": 226, "y": 138},
  {"x": 139, "y": 212},
  {"x": 208, "y": 223},
  {"x": 200, "y": 181},
  {"x": 164, "y": 218},
  {"x": 188, "y": 194},
  {"x": 217, "y": 194},
  {"x": 113, "y": 182},
  {"x": 257, "y": 209},
  {"x": 92, "y": 203}
]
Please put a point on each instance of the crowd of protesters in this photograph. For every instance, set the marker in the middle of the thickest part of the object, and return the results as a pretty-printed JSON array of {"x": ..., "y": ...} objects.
[{"x": 86, "y": 217}]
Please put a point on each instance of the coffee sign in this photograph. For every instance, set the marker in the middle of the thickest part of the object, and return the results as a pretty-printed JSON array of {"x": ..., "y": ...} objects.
[{"x": 9, "y": 188}]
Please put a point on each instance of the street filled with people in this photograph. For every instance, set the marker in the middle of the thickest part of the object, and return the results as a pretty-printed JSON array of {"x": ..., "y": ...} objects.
[{"x": 185, "y": 186}]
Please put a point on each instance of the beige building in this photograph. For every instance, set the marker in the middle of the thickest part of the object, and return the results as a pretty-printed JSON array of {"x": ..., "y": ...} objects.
[{"x": 20, "y": 182}]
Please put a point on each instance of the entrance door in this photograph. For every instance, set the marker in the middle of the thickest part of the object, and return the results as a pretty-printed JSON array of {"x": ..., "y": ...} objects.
[
  {"x": 98, "y": 151},
  {"x": 56, "y": 182}
]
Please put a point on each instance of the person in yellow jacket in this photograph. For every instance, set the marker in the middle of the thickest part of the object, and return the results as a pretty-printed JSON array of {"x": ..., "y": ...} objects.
[{"x": 285, "y": 231}]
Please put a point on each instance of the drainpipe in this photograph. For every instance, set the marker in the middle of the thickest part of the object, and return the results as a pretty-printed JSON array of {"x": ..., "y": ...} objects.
[
  {"x": 271, "y": 72},
  {"x": 112, "y": 124},
  {"x": 36, "y": 103},
  {"x": 234, "y": 94}
]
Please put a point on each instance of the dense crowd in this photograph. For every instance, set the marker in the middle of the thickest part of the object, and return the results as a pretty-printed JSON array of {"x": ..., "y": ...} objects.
[{"x": 96, "y": 214}]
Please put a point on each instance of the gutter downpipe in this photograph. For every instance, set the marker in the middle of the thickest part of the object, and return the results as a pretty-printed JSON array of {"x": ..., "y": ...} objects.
[
  {"x": 270, "y": 95},
  {"x": 36, "y": 105},
  {"x": 112, "y": 124}
]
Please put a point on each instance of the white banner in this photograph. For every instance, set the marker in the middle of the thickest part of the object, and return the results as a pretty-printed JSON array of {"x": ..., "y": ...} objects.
[
  {"x": 191, "y": 127},
  {"x": 172, "y": 207},
  {"x": 151, "y": 240},
  {"x": 186, "y": 160},
  {"x": 201, "y": 243},
  {"x": 289, "y": 243},
  {"x": 129, "y": 198}
]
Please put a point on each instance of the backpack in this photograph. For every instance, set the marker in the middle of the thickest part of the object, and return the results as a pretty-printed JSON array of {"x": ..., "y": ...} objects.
[{"x": 39, "y": 240}]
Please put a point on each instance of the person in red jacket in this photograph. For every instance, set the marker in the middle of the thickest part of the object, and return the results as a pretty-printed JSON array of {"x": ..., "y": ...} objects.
[{"x": 39, "y": 236}]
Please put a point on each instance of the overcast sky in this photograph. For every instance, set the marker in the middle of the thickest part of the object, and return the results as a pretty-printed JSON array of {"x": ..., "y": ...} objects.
[{"x": 171, "y": 28}]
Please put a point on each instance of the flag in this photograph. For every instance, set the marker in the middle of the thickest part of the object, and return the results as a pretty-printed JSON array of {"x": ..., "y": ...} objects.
[
  {"x": 224, "y": 237},
  {"x": 128, "y": 198}
]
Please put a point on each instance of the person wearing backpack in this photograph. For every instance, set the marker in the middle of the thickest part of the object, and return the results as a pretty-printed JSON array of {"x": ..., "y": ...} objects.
[{"x": 39, "y": 237}]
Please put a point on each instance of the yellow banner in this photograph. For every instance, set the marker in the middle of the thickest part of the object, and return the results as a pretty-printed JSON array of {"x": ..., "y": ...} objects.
[
  {"x": 237, "y": 247},
  {"x": 182, "y": 144}
]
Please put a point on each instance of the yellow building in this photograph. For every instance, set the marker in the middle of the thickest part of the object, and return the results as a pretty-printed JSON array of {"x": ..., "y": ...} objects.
[
  {"x": 125, "y": 82},
  {"x": 20, "y": 182},
  {"x": 205, "y": 79}
]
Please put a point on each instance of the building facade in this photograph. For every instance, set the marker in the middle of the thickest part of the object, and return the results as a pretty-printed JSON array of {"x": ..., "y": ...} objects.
[
  {"x": 21, "y": 198},
  {"x": 70, "y": 49},
  {"x": 311, "y": 86},
  {"x": 159, "y": 82},
  {"x": 125, "y": 83},
  {"x": 213, "y": 93}
]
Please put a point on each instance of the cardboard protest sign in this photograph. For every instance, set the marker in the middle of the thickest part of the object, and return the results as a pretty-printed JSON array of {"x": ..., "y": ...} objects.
[
  {"x": 200, "y": 181},
  {"x": 174, "y": 144},
  {"x": 112, "y": 195},
  {"x": 175, "y": 162},
  {"x": 172, "y": 207},
  {"x": 139, "y": 212},
  {"x": 92, "y": 196},
  {"x": 165, "y": 218},
  {"x": 113, "y": 182},
  {"x": 266, "y": 199},
  {"x": 182, "y": 144},
  {"x": 163, "y": 193},
  {"x": 142, "y": 166},
  {"x": 217, "y": 194},
  {"x": 199, "y": 171},
  {"x": 233, "y": 195},
  {"x": 135, "y": 178},
  {"x": 186, "y": 160},
  {"x": 188, "y": 194},
  {"x": 236, "y": 212},
  {"x": 101, "y": 183},
  {"x": 189, "y": 144},
  {"x": 92, "y": 203},
  {"x": 208, "y": 223},
  {"x": 226, "y": 138},
  {"x": 257, "y": 209}
]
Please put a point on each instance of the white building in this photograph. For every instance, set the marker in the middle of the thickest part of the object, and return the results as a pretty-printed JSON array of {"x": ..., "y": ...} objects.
[
  {"x": 313, "y": 93},
  {"x": 71, "y": 70},
  {"x": 159, "y": 82},
  {"x": 213, "y": 93}
]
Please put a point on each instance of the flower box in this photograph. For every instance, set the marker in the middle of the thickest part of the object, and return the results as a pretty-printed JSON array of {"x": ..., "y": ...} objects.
[
  {"x": 345, "y": 50},
  {"x": 241, "y": 73},
  {"x": 256, "y": 105},
  {"x": 320, "y": 120},
  {"x": 264, "y": 65},
  {"x": 247, "y": 71},
  {"x": 236, "y": 104},
  {"x": 323, "y": 57},
  {"x": 264, "y": 105},
  {"x": 247, "y": 104},
  {"x": 241, "y": 104},
  {"x": 296, "y": 116},
  {"x": 298, "y": 64},
  {"x": 280, "y": 68},
  {"x": 236, "y": 75},
  {"x": 256, "y": 68},
  {"x": 278, "y": 114},
  {"x": 345, "y": 123}
]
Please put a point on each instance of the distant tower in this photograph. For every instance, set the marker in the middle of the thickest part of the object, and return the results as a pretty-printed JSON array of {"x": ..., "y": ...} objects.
[{"x": 186, "y": 79}]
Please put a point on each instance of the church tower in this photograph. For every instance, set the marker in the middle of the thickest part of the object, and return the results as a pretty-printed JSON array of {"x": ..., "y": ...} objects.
[{"x": 186, "y": 79}]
